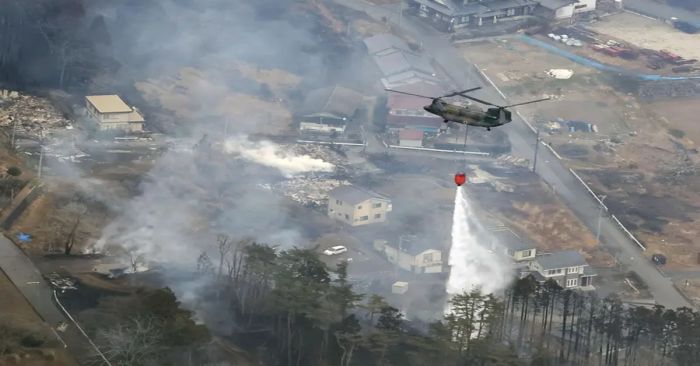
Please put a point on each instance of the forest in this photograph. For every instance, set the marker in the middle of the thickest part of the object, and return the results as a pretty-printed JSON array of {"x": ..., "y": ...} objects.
[{"x": 290, "y": 309}]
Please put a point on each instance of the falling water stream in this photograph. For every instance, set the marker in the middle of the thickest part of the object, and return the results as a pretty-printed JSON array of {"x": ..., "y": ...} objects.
[{"x": 473, "y": 263}]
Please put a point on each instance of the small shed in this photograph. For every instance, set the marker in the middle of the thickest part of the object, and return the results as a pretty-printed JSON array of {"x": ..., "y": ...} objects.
[
  {"x": 411, "y": 138},
  {"x": 399, "y": 288}
]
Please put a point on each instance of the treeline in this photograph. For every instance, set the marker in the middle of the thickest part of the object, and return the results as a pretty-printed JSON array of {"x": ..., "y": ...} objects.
[
  {"x": 289, "y": 309},
  {"x": 50, "y": 43}
]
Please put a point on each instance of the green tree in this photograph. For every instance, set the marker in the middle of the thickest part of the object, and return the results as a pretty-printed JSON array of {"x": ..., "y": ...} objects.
[{"x": 14, "y": 171}]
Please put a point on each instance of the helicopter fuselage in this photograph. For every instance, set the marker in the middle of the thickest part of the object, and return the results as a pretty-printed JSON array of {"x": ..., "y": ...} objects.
[{"x": 472, "y": 116}]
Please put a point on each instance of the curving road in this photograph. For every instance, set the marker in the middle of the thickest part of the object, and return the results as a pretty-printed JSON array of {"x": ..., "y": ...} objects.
[{"x": 550, "y": 169}]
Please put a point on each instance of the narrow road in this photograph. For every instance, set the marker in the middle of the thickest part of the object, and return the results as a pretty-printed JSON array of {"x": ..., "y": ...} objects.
[
  {"x": 27, "y": 278},
  {"x": 550, "y": 169}
]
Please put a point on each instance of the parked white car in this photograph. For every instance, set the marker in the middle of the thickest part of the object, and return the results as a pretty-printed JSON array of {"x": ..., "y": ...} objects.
[{"x": 338, "y": 249}]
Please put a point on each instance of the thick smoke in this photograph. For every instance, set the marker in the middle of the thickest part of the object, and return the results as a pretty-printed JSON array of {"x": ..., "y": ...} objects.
[
  {"x": 272, "y": 155},
  {"x": 190, "y": 196},
  {"x": 473, "y": 264}
]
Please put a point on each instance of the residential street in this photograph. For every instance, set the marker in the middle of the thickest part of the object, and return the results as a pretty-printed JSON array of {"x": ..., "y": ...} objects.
[{"x": 551, "y": 170}]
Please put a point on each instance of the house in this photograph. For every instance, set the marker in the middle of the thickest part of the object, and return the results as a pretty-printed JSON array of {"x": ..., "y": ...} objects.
[
  {"x": 564, "y": 9},
  {"x": 397, "y": 62},
  {"x": 406, "y": 111},
  {"x": 411, "y": 254},
  {"x": 511, "y": 244},
  {"x": 451, "y": 15},
  {"x": 111, "y": 113},
  {"x": 568, "y": 268},
  {"x": 329, "y": 110},
  {"x": 356, "y": 206},
  {"x": 411, "y": 138}
]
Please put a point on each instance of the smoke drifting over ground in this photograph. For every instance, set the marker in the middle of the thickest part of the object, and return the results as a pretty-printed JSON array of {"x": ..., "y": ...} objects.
[
  {"x": 272, "y": 155},
  {"x": 473, "y": 266},
  {"x": 190, "y": 197}
]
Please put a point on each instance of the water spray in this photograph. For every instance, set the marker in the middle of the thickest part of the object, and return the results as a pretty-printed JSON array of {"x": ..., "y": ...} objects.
[{"x": 473, "y": 264}]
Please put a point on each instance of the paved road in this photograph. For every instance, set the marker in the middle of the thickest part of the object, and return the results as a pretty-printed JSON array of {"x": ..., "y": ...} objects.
[
  {"x": 22, "y": 272},
  {"x": 550, "y": 169}
]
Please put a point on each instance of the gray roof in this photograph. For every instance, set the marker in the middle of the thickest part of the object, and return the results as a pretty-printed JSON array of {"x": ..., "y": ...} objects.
[
  {"x": 508, "y": 239},
  {"x": 563, "y": 259},
  {"x": 336, "y": 102},
  {"x": 555, "y": 4},
  {"x": 456, "y": 8},
  {"x": 413, "y": 245},
  {"x": 398, "y": 61},
  {"x": 406, "y": 77},
  {"x": 354, "y": 195},
  {"x": 384, "y": 41}
]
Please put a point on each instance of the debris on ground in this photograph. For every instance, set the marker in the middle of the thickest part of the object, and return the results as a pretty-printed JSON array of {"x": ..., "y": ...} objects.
[
  {"x": 562, "y": 74},
  {"x": 29, "y": 114},
  {"x": 61, "y": 283},
  {"x": 308, "y": 191}
]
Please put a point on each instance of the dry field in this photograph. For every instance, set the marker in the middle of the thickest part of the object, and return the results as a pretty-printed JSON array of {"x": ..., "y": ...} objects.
[
  {"x": 193, "y": 95},
  {"x": 638, "y": 157},
  {"x": 647, "y": 33}
]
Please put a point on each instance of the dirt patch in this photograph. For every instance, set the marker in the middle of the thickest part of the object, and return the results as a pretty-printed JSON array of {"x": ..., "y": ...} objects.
[
  {"x": 18, "y": 314},
  {"x": 690, "y": 288},
  {"x": 51, "y": 217},
  {"x": 648, "y": 33},
  {"x": 193, "y": 95}
]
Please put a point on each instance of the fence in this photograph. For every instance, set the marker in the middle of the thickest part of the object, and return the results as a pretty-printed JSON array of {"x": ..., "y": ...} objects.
[{"x": 551, "y": 149}]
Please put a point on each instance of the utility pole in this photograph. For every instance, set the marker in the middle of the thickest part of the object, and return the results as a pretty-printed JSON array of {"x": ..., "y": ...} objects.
[
  {"x": 537, "y": 146},
  {"x": 41, "y": 153},
  {"x": 600, "y": 218},
  {"x": 14, "y": 130},
  {"x": 41, "y": 158}
]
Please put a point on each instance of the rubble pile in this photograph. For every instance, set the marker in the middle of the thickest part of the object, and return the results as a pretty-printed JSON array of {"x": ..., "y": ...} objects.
[
  {"x": 308, "y": 191},
  {"x": 31, "y": 114},
  {"x": 322, "y": 152}
]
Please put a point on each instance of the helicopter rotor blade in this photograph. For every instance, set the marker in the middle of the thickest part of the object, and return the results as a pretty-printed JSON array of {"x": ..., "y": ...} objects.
[
  {"x": 460, "y": 92},
  {"x": 530, "y": 102},
  {"x": 478, "y": 100},
  {"x": 415, "y": 95}
]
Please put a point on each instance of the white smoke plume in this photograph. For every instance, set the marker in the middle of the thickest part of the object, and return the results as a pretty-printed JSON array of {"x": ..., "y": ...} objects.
[
  {"x": 473, "y": 264},
  {"x": 272, "y": 155}
]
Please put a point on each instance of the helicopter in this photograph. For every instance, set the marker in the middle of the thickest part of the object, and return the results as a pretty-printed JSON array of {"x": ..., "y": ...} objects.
[{"x": 492, "y": 117}]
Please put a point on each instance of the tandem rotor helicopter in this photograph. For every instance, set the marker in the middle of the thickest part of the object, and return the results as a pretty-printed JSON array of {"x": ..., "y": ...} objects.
[{"x": 472, "y": 116}]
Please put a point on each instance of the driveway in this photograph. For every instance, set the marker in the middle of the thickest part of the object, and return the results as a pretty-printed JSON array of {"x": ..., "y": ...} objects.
[{"x": 550, "y": 169}]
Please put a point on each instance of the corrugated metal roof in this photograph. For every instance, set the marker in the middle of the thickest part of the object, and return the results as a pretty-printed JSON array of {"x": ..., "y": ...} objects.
[
  {"x": 399, "y": 61},
  {"x": 381, "y": 42},
  {"x": 337, "y": 102},
  {"x": 354, "y": 195},
  {"x": 563, "y": 259},
  {"x": 108, "y": 103},
  {"x": 422, "y": 123},
  {"x": 555, "y": 4}
]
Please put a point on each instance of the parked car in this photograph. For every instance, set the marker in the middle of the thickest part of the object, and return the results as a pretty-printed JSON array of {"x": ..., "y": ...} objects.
[
  {"x": 658, "y": 259},
  {"x": 338, "y": 249}
]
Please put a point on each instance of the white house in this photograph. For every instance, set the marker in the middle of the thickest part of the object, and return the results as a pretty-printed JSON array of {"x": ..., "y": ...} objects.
[
  {"x": 565, "y": 9},
  {"x": 568, "y": 268}
]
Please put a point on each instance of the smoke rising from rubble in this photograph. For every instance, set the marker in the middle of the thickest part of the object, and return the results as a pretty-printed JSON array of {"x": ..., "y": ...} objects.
[
  {"x": 272, "y": 155},
  {"x": 473, "y": 265}
]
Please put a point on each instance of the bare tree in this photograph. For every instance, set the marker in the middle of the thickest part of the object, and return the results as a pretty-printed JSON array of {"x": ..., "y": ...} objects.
[
  {"x": 132, "y": 343},
  {"x": 73, "y": 211},
  {"x": 224, "y": 244}
]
